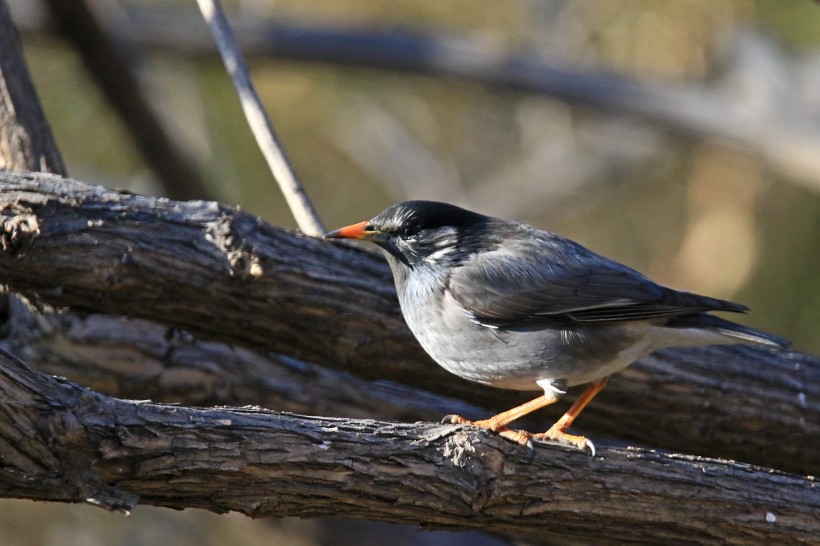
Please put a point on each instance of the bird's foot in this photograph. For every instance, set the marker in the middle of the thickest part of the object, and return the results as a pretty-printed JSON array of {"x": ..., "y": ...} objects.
[
  {"x": 556, "y": 435},
  {"x": 520, "y": 437}
]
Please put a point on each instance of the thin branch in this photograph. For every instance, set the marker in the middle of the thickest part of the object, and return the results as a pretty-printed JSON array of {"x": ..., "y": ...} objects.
[
  {"x": 298, "y": 201},
  {"x": 68, "y": 244}
]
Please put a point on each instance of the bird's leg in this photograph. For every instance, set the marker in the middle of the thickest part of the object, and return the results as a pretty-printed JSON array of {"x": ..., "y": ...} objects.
[
  {"x": 557, "y": 433},
  {"x": 498, "y": 423}
]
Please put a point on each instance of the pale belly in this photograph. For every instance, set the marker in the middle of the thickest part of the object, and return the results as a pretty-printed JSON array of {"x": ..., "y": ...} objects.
[{"x": 518, "y": 358}]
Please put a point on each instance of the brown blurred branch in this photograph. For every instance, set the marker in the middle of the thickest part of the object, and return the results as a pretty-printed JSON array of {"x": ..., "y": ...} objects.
[
  {"x": 82, "y": 446},
  {"x": 108, "y": 65},
  {"x": 26, "y": 142},
  {"x": 227, "y": 276}
]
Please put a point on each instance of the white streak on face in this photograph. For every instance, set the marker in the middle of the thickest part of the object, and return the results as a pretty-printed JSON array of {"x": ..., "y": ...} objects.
[{"x": 439, "y": 254}]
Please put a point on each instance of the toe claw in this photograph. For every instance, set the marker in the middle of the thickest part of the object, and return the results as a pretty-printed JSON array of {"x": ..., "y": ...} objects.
[
  {"x": 531, "y": 453},
  {"x": 559, "y": 437},
  {"x": 455, "y": 419},
  {"x": 523, "y": 438}
]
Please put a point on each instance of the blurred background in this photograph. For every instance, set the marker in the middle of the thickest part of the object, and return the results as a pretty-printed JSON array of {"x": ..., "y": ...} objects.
[{"x": 681, "y": 137}]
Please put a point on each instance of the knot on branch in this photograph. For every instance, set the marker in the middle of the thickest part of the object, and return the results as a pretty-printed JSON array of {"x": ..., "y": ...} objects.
[
  {"x": 17, "y": 231},
  {"x": 242, "y": 259}
]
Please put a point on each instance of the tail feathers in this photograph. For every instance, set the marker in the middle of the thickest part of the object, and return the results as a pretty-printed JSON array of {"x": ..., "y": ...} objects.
[{"x": 730, "y": 329}]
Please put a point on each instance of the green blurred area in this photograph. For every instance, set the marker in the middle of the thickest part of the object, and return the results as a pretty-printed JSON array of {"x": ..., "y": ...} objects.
[{"x": 697, "y": 215}]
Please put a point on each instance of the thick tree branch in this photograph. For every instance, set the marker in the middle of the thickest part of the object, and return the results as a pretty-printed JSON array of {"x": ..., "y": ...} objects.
[
  {"x": 229, "y": 276},
  {"x": 66, "y": 443}
]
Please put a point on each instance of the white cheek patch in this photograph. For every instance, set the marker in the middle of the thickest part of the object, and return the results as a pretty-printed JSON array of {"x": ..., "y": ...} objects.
[
  {"x": 443, "y": 244},
  {"x": 439, "y": 254}
]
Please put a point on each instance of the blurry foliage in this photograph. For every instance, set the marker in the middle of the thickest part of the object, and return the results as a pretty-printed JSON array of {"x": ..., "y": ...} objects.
[
  {"x": 795, "y": 22},
  {"x": 74, "y": 106}
]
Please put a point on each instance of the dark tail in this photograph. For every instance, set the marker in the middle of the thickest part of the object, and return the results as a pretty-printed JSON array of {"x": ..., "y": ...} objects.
[{"x": 730, "y": 329}]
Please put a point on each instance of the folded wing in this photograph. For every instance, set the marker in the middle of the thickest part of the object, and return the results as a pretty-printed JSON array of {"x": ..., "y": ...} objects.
[{"x": 542, "y": 278}]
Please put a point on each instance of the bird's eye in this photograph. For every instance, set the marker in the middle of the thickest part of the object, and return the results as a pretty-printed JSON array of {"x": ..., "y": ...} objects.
[{"x": 409, "y": 231}]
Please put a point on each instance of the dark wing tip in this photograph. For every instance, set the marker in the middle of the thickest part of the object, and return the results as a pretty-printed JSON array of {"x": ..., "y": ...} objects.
[
  {"x": 696, "y": 302},
  {"x": 730, "y": 329}
]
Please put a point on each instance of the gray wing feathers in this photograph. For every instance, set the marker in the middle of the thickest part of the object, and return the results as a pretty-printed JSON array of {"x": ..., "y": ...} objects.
[{"x": 563, "y": 281}]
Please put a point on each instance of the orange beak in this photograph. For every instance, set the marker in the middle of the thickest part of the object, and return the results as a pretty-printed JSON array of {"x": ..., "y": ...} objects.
[{"x": 358, "y": 231}]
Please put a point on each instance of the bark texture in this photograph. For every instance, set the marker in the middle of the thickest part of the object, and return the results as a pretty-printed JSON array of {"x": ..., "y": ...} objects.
[{"x": 63, "y": 442}]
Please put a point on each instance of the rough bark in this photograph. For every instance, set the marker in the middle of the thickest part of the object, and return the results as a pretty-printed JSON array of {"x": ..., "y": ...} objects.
[
  {"x": 228, "y": 276},
  {"x": 63, "y": 442}
]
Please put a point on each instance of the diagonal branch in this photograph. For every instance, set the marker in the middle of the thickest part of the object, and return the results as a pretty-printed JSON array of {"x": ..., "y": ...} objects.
[
  {"x": 65, "y": 443},
  {"x": 300, "y": 206},
  {"x": 175, "y": 263}
]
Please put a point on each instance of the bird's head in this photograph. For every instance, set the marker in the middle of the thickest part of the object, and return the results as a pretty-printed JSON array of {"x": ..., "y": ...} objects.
[{"x": 419, "y": 233}]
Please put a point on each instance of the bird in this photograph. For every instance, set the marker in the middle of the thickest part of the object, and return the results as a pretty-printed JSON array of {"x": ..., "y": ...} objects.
[{"x": 511, "y": 306}]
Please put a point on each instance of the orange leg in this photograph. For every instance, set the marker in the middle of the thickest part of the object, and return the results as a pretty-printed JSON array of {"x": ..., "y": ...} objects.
[
  {"x": 498, "y": 423},
  {"x": 557, "y": 433}
]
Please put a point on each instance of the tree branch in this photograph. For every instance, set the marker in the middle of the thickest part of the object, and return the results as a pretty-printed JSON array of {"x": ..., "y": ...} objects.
[
  {"x": 236, "y": 279},
  {"x": 300, "y": 206},
  {"x": 62, "y": 442},
  {"x": 133, "y": 358}
]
